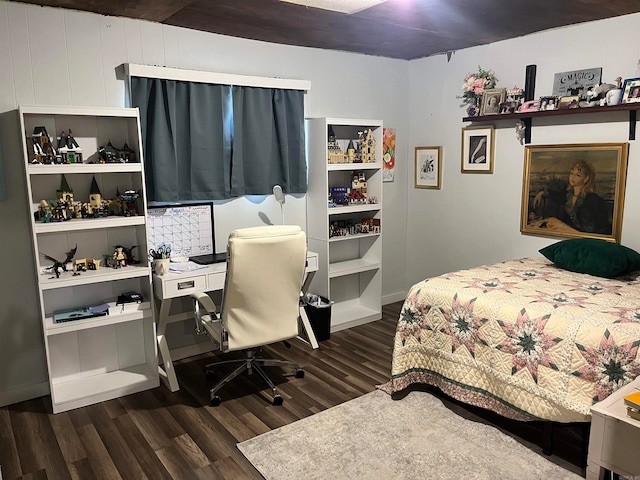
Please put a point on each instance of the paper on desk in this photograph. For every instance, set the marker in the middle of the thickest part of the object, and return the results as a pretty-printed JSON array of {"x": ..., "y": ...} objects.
[{"x": 185, "y": 267}]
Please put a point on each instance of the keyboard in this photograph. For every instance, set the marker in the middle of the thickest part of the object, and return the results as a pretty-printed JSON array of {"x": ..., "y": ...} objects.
[{"x": 209, "y": 258}]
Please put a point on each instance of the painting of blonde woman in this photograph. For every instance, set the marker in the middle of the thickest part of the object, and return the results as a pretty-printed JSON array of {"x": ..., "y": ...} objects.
[{"x": 574, "y": 190}]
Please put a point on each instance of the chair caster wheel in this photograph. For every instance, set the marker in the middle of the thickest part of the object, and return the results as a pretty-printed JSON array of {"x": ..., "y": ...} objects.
[
  {"x": 299, "y": 373},
  {"x": 215, "y": 401},
  {"x": 209, "y": 375},
  {"x": 278, "y": 400}
]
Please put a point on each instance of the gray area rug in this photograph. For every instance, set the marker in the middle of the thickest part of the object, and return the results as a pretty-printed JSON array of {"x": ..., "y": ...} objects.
[{"x": 376, "y": 437}]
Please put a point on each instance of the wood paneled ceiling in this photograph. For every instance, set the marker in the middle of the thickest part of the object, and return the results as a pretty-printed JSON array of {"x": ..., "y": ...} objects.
[{"x": 403, "y": 29}]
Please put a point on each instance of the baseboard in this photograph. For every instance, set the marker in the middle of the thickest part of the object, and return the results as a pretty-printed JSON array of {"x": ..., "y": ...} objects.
[
  {"x": 23, "y": 393},
  {"x": 394, "y": 297}
]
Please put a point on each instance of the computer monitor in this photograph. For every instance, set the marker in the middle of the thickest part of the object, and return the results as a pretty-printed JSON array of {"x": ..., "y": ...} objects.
[{"x": 186, "y": 227}]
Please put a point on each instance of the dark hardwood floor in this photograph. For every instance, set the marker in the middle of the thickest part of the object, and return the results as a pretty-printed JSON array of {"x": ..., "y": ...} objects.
[{"x": 157, "y": 434}]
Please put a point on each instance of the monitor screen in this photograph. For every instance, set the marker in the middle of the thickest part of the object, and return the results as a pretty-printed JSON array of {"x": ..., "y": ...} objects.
[{"x": 186, "y": 227}]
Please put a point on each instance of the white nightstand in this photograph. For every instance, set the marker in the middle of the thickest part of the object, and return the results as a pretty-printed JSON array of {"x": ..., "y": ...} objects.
[{"x": 614, "y": 441}]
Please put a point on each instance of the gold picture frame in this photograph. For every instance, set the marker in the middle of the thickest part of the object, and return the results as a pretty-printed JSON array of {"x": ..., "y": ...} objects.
[
  {"x": 575, "y": 190},
  {"x": 477, "y": 149},
  {"x": 567, "y": 102},
  {"x": 428, "y": 167}
]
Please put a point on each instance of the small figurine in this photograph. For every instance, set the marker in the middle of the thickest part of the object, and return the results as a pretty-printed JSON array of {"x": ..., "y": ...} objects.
[
  {"x": 129, "y": 198},
  {"x": 128, "y": 253},
  {"x": 119, "y": 257},
  {"x": 520, "y": 130},
  {"x": 57, "y": 266}
]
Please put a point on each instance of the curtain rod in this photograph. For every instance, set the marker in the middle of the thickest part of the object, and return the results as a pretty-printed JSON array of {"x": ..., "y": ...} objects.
[{"x": 168, "y": 73}]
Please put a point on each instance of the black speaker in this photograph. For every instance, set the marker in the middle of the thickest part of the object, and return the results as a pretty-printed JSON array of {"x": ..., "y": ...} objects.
[{"x": 530, "y": 83}]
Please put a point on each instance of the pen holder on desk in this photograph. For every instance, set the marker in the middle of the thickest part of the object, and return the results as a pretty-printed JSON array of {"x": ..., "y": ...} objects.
[{"x": 161, "y": 266}]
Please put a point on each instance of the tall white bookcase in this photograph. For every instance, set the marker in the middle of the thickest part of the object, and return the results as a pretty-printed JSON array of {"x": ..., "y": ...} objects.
[
  {"x": 100, "y": 358},
  {"x": 350, "y": 266}
]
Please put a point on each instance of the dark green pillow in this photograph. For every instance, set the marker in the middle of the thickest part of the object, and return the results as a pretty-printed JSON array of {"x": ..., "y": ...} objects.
[{"x": 592, "y": 256}]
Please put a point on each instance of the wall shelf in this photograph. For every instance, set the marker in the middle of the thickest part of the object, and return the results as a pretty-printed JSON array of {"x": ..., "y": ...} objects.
[{"x": 527, "y": 117}]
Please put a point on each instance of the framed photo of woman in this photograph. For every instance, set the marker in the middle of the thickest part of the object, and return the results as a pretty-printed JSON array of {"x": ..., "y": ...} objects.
[
  {"x": 477, "y": 149},
  {"x": 574, "y": 191},
  {"x": 491, "y": 100}
]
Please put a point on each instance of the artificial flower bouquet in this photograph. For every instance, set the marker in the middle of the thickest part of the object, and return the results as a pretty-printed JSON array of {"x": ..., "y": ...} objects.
[{"x": 474, "y": 85}]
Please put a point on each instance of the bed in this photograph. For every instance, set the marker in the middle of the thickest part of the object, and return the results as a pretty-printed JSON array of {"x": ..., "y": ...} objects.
[{"x": 524, "y": 338}]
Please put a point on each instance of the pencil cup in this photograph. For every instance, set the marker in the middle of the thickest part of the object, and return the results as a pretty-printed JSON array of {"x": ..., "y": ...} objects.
[{"x": 161, "y": 266}]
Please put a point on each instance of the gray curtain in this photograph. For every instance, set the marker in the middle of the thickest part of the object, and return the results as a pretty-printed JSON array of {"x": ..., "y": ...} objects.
[
  {"x": 269, "y": 143},
  {"x": 213, "y": 142},
  {"x": 186, "y": 136}
]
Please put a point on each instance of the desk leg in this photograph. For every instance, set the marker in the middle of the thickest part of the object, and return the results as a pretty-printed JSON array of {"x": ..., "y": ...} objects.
[{"x": 167, "y": 374}]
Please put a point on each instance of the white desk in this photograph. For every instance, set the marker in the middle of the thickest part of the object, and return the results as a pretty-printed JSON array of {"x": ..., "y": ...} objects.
[{"x": 209, "y": 279}]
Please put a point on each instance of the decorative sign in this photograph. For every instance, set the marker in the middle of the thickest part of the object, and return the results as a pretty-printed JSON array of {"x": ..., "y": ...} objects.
[{"x": 576, "y": 82}]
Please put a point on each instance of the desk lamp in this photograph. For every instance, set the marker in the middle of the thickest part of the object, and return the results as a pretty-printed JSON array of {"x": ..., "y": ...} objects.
[{"x": 279, "y": 194}]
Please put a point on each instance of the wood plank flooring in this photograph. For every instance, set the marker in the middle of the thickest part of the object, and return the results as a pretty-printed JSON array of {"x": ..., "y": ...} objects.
[{"x": 157, "y": 434}]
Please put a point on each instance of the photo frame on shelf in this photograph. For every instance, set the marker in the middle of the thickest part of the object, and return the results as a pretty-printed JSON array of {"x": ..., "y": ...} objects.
[
  {"x": 491, "y": 100},
  {"x": 428, "y": 167},
  {"x": 569, "y": 101},
  {"x": 508, "y": 107},
  {"x": 631, "y": 90},
  {"x": 591, "y": 206},
  {"x": 477, "y": 149},
  {"x": 548, "y": 103}
]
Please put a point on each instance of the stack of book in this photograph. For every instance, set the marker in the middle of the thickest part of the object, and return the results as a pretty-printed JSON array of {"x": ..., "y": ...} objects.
[{"x": 632, "y": 401}]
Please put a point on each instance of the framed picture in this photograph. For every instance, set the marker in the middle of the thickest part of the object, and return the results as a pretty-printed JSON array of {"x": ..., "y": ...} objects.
[
  {"x": 548, "y": 103},
  {"x": 508, "y": 107},
  {"x": 491, "y": 100},
  {"x": 477, "y": 149},
  {"x": 569, "y": 101},
  {"x": 574, "y": 190},
  {"x": 631, "y": 91},
  {"x": 428, "y": 167}
]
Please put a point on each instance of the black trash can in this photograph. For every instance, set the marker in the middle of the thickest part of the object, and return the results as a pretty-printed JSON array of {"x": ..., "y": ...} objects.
[{"x": 318, "y": 310}]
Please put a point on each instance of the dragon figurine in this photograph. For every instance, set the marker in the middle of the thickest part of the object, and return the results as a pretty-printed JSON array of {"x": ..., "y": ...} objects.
[{"x": 58, "y": 266}]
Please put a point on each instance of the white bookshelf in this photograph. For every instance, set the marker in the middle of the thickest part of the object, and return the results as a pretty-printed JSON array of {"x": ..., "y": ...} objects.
[
  {"x": 100, "y": 358},
  {"x": 350, "y": 266}
]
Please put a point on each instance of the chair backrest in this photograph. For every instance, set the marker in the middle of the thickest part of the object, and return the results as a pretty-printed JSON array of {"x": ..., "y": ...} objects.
[{"x": 265, "y": 270}]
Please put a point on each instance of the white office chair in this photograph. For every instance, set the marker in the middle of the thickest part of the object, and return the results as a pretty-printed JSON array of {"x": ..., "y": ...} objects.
[{"x": 260, "y": 302}]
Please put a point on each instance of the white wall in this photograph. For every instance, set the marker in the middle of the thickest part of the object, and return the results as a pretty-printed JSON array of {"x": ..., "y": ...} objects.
[
  {"x": 62, "y": 57},
  {"x": 475, "y": 219},
  {"x": 52, "y": 56}
]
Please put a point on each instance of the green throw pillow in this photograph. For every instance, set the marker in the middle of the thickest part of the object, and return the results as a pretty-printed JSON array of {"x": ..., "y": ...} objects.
[{"x": 592, "y": 256}]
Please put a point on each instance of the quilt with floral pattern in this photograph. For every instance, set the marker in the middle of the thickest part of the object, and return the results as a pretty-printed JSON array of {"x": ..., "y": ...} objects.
[{"x": 523, "y": 338}]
